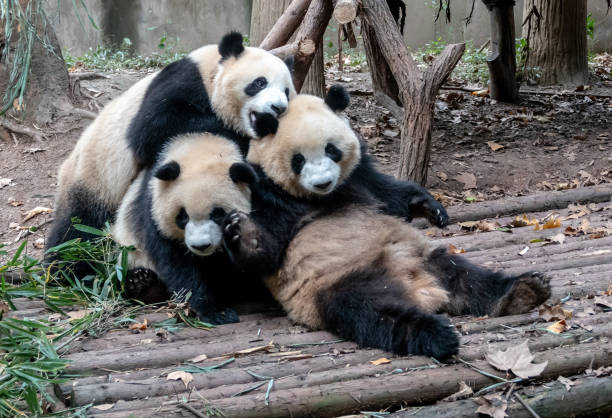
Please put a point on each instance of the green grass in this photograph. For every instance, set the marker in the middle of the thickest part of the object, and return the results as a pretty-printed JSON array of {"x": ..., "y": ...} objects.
[
  {"x": 103, "y": 58},
  {"x": 31, "y": 357}
]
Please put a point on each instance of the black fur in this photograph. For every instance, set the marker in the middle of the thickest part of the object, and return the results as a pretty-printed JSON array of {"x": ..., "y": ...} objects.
[
  {"x": 337, "y": 98},
  {"x": 231, "y": 45},
  {"x": 168, "y": 171},
  {"x": 265, "y": 124},
  {"x": 255, "y": 86},
  {"x": 176, "y": 102},
  {"x": 242, "y": 173},
  {"x": 290, "y": 62}
]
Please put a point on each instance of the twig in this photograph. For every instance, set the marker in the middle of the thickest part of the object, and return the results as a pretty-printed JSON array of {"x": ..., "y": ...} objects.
[
  {"x": 21, "y": 130},
  {"x": 321, "y": 343},
  {"x": 482, "y": 372},
  {"x": 87, "y": 76},
  {"x": 84, "y": 113},
  {"x": 497, "y": 385},
  {"x": 566, "y": 93},
  {"x": 526, "y": 405},
  {"x": 193, "y": 411},
  {"x": 486, "y": 44}
]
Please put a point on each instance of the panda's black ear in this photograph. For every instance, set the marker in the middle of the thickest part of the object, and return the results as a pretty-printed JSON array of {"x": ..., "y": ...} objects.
[
  {"x": 289, "y": 62},
  {"x": 168, "y": 172},
  {"x": 337, "y": 98},
  {"x": 243, "y": 173},
  {"x": 231, "y": 45},
  {"x": 265, "y": 124}
]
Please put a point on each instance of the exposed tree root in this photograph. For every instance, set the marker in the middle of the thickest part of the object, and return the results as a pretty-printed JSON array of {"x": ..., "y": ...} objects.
[{"x": 20, "y": 129}]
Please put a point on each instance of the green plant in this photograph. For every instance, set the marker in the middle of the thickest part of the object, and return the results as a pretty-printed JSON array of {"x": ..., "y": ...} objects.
[
  {"x": 471, "y": 68},
  {"x": 590, "y": 26}
]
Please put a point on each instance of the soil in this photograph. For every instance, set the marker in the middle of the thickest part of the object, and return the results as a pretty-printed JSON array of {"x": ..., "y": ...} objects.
[{"x": 553, "y": 139}]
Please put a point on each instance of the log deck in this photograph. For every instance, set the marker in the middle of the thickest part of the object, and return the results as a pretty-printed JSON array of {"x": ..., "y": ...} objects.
[{"x": 297, "y": 372}]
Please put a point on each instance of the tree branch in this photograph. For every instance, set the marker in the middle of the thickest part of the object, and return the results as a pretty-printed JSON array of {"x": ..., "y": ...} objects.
[{"x": 286, "y": 25}]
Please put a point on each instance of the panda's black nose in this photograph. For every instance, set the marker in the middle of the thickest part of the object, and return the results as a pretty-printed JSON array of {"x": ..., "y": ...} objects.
[
  {"x": 202, "y": 247},
  {"x": 279, "y": 109},
  {"x": 323, "y": 186}
]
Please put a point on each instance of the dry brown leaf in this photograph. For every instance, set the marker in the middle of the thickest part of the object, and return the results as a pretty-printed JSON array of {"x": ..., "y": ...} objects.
[
  {"x": 464, "y": 390},
  {"x": 198, "y": 359},
  {"x": 481, "y": 93},
  {"x": 552, "y": 223},
  {"x": 139, "y": 326},
  {"x": 35, "y": 212},
  {"x": 523, "y": 220},
  {"x": 14, "y": 203},
  {"x": 179, "y": 374},
  {"x": 608, "y": 292},
  {"x": 518, "y": 359},
  {"x": 454, "y": 250},
  {"x": 442, "y": 175},
  {"x": 585, "y": 226},
  {"x": 492, "y": 405},
  {"x": 566, "y": 382},
  {"x": 104, "y": 406},
  {"x": 382, "y": 360},
  {"x": 558, "y": 327},
  {"x": 556, "y": 239},
  {"x": 486, "y": 226},
  {"x": 554, "y": 313},
  {"x": 494, "y": 145},
  {"x": 81, "y": 313},
  {"x": 469, "y": 225},
  {"x": 39, "y": 243},
  {"x": 572, "y": 232},
  {"x": 468, "y": 180}
]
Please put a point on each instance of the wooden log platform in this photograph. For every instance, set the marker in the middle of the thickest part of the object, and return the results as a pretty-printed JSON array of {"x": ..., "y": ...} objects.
[{"x": 291, "y": 371}]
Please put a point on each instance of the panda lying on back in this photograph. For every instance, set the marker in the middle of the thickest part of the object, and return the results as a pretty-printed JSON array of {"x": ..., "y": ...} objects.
[
  {"x": 334, "y": 261},
  {"x": 224, "y": 89},
  {"x": 172, "y": 215}
]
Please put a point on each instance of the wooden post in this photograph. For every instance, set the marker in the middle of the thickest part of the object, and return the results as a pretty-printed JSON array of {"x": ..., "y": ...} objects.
[
  {"x": 416, "y": 90},
  {"x": 502, "y": 58}
]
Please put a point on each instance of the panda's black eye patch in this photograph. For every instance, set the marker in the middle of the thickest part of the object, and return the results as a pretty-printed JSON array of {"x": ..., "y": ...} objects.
[
  {"x": 287, "y": 93},
  {"x": 217, "y": 215},
  {"x": 333, "y": 152},
  {"x": 256, "y": 86},
  {"x": 297, "y": 163},
  {"x": 182, "y": 218}
]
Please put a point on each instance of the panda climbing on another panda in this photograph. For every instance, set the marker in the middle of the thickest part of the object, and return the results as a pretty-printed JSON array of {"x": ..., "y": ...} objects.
[
  {"x": 172, "y": 215},
  {"x": 334, "y": 260},
  {"x": 223, "y": 89}
]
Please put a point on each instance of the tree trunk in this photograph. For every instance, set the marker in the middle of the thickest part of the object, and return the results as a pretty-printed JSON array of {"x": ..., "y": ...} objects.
[
  {"x": 46, "y": 94},
  {"x": 265, "y": 13},
  {"x": 382, "y": 77},
  {"x": 559, "y": 47},
  {"x": 502, "y": 59}
]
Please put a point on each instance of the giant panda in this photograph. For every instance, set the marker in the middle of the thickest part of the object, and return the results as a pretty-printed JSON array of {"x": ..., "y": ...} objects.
[
  {"x": 224, "y": 89},
  {"x": 172, "y": 213},
  {"x": 334, "y": 260}
]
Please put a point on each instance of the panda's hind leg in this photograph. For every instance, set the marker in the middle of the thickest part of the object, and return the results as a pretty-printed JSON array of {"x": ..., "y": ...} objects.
[
  {"x": 368, "y": 308},
  {"x": 144, "y": 285},
  {"x": 478, "y": 291}
]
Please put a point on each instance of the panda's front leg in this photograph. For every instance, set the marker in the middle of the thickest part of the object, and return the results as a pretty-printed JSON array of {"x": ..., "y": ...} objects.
[{"x": 250, "y": 247}]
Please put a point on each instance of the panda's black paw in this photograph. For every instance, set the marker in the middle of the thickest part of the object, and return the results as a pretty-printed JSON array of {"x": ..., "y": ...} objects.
[
  {"x": 144, "y": 285},
  {"x": 224, "y": 316},
  {"x": 435, "y": 212},
  {"x": 240, "y": 234},
  {"x": 528, "y": 291},
  {"x": 427, "y": 335}
]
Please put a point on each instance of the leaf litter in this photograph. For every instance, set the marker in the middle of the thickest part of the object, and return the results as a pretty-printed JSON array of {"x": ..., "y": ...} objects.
[{"x": 517, "y": 359}]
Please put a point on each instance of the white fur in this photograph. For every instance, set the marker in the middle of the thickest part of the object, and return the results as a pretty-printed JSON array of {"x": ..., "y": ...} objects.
[
  {"x": 204, "y": 232},
  {"x": 262, "y": 102},
  {"x": 320, "y": 170}
]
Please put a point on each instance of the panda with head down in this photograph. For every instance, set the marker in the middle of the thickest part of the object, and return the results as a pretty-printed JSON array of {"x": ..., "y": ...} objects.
[
  {"x": 224, "y": 89},
  {"x": 334, "y": 259}
]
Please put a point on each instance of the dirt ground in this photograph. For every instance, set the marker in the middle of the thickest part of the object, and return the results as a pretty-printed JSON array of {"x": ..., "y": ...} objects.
[{"x": 553, "y": 139}]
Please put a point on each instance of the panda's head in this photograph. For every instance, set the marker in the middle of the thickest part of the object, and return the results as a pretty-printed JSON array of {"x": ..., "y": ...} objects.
[
  {"x": 251, "y": 87},
  {"x": 314, "y": 149},
  {"x": 192, "y": 190}
]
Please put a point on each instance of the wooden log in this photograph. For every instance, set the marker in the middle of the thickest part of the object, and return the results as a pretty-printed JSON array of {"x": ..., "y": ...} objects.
[
  {"x": 532, "y": 203},
  {"x": 415, "y": 387},
  {"x": 224, "y": 383},
  {"x": 590, "y": 396},
  {"x": 345, "y": 11},
  {"x": 502, "y": 56},
  {"x": 298, "y": 49},
  {"x": 286, "y": 25}
]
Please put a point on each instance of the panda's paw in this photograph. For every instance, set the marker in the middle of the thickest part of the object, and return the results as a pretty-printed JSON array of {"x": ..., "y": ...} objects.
[
  {"x": 428, "y": 335},
  {"x": 220, "y": 317},
  {"x": 240, "y": 234},
  {"x": 143, "y": 284},
  {"x": 528, "y": 291},
  {"x": 435, "y": 212}
]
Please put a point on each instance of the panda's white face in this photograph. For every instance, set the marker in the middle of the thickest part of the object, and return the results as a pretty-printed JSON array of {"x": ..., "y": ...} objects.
[
  {"x": 318, "y": 169},
  {"x": 249, "y": 86}
]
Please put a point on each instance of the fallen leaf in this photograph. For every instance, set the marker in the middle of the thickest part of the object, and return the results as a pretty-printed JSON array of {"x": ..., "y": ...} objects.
[
  {"x": 572, "y": 232},
  {"x": 602, "y": 371},
  {"x": 442, "y": 175},
  {"x": 524, "y": 251},
  {"x": 558, "y": 327},
  {"x": 146, "y": 341},
  {"x": 494, "y": 145},
  {"x": 104, "y": 406},
  {"x": 608, "y": 292},
  {"x": 39, "y": 243},
  {"x": 139, "y": 326},
  {"x": 14, "y": 203},
  {"x": 492, "y": 405},
  {"x": 390, "y": 133},
  {"x": 469, "y": 225},
  {"x": 81, "y": 313},
  {"x": 198, "y": 359},
  {"x": 468, "y": 180},
  {"x": 554, "y": 313},
  {"x": 523, "y": 220},
  {"x": 382, "y": 360},
  {"x": 486, "y": 226},
  {"x": 602, "y": 301},
  {"x": 552, "y": 223},
  {"x": 481, "y": 93},
  {"x": 566, "y": 382},
  {"x": 5, "y": 182},
  {"x": 518, "y": 359},
  {"x": 179, "y": 374},
  {"x": 36, "y": 211},
  {"x": 454, "y": 250},
  {"x": 558, "y": 239},
  {"x": 14, "y": 225},
  {"x": 464, "y": 390}
]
